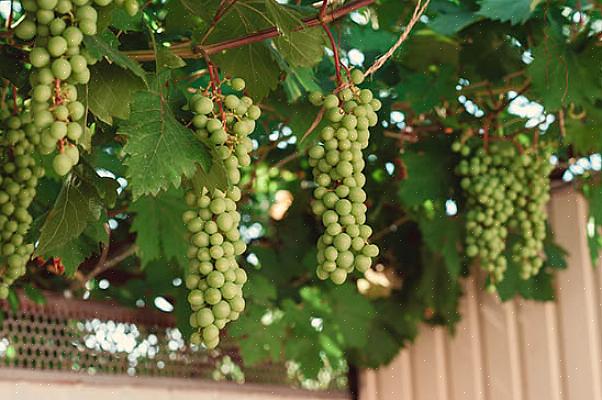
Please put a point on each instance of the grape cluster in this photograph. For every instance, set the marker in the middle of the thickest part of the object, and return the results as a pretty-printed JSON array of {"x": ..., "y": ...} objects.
[
  {"x": 214, "y": 278},
  {"x": 530, "y": 219},
  {"x": 18, "y": 180},
  {"x": 338, "y": 162},
  {"x": 59, "y": 64},
  {"x": 506, "y": 194}
]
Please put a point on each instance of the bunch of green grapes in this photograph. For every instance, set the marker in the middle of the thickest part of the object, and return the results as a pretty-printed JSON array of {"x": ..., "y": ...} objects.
[
  {"x": 338, "y": 162},
  {"x": 214, "y": 278},
  {"x": 486, "y": 180},
  {"x": 529, "y": 221},
  {"x": 506, "y": 193},
  {"x": 57, "y": 28},
  {"x": 18, "y": 180}
]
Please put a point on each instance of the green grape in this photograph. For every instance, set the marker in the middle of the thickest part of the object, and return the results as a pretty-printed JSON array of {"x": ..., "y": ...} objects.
[
  {"x": 26, "y": 30},
  {"x": 18, "y": 181},
  {"x": 339, "y": 197},
  {"x": 58, "y": 28},
  {"x": 506, "y": 193},
  {"x": 62, "y": 164},
  {"x": 213, "y": 220}
]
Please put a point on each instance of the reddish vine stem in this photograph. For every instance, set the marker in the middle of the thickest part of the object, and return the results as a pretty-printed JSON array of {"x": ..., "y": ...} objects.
[
  {"x": 221, "y": 11},
  {"x": 333, "y": 44},
  {"x": 216, "y": 87},
  {"x": 15, "y": 104},
  {"x": 186, "y": 50},
  {"x": 9, "y": 21}
]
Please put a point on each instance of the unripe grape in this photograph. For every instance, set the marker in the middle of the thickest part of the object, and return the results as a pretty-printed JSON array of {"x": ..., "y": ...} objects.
[{"x": 26, "y": 30}]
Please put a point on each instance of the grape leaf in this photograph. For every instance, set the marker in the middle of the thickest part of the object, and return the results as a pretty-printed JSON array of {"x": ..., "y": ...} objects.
[
  {"x": 430, "y": 167},
  {"x": 352, "y": 314},
  {"x": 452, "y": 21},
  {"x": 302, "y": 48},
  {"x": 76, "y": 251},
  {"x": 107, "y": 45},
  {"x": 427, "y": 49},
  {"x": 34, "y": 294},
  {"x": 110, "y": 91},
  {"x": 165, "y": 58},
  {"x": 253, "y": 62},
  {"x": 255, "y": 65},
  {"x": 160, "y": 149},
  {"x": 443, "y": 235},
  {"x": 425, "y": 90},
  {"x": 77, "y": 205},
  {"x": 299, "y": 80},
  {"x": 562, "y": 74},
  {"x": 437, "y": 289},
  {"x": 541, "y": 286},
  {"x": 182, "y": 17},
  {"x": 158, "y": 227},
  {"x": 515, "y": 11},
  {"x": 394, "y": 324},
  {"x": 257, "y": 341},
  {"x": 583, "y": 133}
]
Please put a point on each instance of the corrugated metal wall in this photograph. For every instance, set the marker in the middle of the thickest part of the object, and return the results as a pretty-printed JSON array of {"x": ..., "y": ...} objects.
[{"x": 519, "y": 350}]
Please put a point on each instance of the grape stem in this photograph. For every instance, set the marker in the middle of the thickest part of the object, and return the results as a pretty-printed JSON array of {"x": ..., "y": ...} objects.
[
  {"x": 15, "y": 104},
  {"x": 186, "y": 50}
]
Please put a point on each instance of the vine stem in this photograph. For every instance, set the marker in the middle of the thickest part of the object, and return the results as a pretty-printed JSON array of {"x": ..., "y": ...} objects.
[
  {"x": 380, "y": 61},
  {"x": 186, "y": 50},
  {"x": 333, "y": 44}
]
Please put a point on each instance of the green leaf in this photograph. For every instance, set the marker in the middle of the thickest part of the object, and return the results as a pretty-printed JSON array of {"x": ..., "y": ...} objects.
[
  {"x": 182, "y": 18},
  {"x": 583, "y": 131},
  {"x": 452, "y": 21},
  {"x": 443, "y": 234},
  {"x": 427, "y": 49},
  {"x": 107, "y": 45},
  {"x": 258, "y": 342},
  {"x": 158, "y": 227},
  {"x": 298, "y": 81},
  {"x": 438, "y": 289},
  {"x": 110, "y": 91},
  {"x": 254, "y": 62},
  {"x": 165, "y": 58},
  {"x": 303, "y": 47},
  {"x": 13, "y": 300},
  {"x": 352, "y": 313},
  {"x": 160, "y": 149},
  {"x": 563, "y": 74},
  {"x": 426, "y": 90},
  {"x": 77, "y": 205},
  {"x": 515, "y": 11},
  {"x": 260, "y": 290},
  {"x": 255, "y": 65},
  {"x": 34, "y": 294},
  {"x": 79, "y": 249},
  {"x": 426, "y": 179}
]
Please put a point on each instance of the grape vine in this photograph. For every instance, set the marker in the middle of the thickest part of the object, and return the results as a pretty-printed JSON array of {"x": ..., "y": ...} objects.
[
  {"x": 338, "y": 164},
  {"x": 214, "y": 278}
]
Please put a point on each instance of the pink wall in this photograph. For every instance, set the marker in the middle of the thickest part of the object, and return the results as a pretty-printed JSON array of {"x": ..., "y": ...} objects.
[
  {"x": 25, "y": 385},
  {"x": 519, "y": 350}
]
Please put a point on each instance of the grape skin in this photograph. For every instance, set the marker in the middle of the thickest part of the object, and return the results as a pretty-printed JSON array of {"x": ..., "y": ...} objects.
[
  {"x": 339, "y": 198},
  {"x": 215, "y": 279}
]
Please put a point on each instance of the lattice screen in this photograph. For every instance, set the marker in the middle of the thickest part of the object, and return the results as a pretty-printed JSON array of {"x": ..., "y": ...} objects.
[{"x": 100, "y": 338}]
